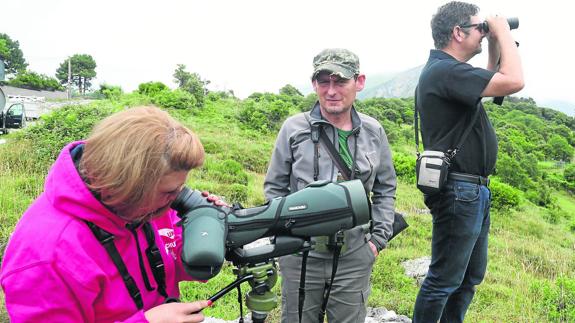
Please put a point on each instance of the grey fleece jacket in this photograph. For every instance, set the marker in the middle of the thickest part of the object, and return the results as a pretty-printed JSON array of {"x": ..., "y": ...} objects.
[{"x": 291, "y": 169}]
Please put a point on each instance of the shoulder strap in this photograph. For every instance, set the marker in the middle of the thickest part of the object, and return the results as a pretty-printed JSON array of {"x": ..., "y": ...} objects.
[
  {"x": 339, "y": 243},
  {"x": 155, "y": 259},
  {"x": 463, "y": 137},
  {"x": 107, "y": 240},
  {"x": 341, "y": 165},
  {"x": 314, "y": 130}
]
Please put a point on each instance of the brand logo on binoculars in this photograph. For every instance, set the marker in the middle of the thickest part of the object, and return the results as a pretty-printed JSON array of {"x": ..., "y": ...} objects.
[{"x": 297, "y": 207}]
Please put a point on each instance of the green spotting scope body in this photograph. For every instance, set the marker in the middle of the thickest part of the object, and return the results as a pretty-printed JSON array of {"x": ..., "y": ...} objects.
[{"x": 210, "y": 232}]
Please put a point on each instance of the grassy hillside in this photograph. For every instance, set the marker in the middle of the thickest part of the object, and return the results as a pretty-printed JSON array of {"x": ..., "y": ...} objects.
[{"x": 531, "y": 257}]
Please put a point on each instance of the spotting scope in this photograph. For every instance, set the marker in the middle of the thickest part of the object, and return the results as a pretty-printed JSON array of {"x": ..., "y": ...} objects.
[{"x": 212, "y": 234}]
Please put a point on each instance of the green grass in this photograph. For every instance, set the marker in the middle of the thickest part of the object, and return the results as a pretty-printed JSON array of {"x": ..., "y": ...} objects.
[{"x": 526, "y": 249}]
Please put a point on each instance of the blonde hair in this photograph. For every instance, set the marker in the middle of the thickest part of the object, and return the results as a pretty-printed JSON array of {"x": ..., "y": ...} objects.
[{"x": 127, "y": 154}]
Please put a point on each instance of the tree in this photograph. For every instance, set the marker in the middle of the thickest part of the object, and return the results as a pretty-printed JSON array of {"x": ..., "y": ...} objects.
[
  {"x": 192, "y": 83},
  {"x": 4, "y": 51},
  {"x": 12, "y": 56},
  {"x": 35, "y": 81},
  {"x": 559, "y": 148},
  {"x": 290, "y": 90},
  {"x": 83, "y": 68}
]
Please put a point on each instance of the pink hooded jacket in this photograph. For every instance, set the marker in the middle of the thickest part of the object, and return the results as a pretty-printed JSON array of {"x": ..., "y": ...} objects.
[{"x": 55, "y": 270}]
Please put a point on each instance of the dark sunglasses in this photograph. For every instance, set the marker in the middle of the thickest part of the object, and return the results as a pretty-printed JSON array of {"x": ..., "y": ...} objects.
[{"x": 480, "y": 26}]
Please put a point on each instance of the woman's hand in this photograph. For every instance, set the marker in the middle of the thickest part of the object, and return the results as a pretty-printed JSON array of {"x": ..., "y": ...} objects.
[
  {"x": 214, "y": 199},
  {"x": 177, "y": 312}
]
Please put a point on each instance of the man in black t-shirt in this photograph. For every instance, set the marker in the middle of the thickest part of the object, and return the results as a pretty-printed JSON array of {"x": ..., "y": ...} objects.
[{"x": 448, "y": 95}]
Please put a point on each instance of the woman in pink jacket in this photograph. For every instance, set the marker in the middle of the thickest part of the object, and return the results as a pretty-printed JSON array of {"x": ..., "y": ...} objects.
[{"x": 100, "y": 243}]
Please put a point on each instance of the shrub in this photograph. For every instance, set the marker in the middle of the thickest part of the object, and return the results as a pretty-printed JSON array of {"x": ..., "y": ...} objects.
[
  {"x": 504, "y": 196},
  {"x": 510, "y": 170},
  {"x": 392, "y": 131},
  {"x": 569, "y": 174},
  {"x": 235, "y": 193},
  {"x": 541, "y": 195},
  {"x": 35, "y": 81},
  {"x": 228, "y": 171},
  {"x": 308, "y": 102},
  {"x": 556, "y": 300},
  {"x": 553, "y": 215},
  {"x": 62, "y": 126},
  {"x": 263, "y": 115},
  {"x": 404, "y": 167},
  {"x": 177, "y": 99},
  {"x": 152, "y": 88},
  {"x": 111, "y": 92}
]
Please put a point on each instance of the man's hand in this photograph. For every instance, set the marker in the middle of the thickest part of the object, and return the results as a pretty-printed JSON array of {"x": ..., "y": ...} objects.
[{"x": 373, "y": 249}]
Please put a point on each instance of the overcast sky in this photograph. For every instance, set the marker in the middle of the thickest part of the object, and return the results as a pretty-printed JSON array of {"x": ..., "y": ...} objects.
[{"x": 261, "y": 45}]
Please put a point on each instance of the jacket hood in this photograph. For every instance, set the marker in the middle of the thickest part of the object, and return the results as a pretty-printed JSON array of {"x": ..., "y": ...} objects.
[{"x": 67, "y": 192}]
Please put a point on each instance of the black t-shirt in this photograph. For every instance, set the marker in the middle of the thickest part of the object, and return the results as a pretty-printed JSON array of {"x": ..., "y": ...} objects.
[{"x": 448, "y": 94}]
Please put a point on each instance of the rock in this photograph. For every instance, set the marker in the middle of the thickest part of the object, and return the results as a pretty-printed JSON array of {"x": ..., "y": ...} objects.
[
  {"x": 417, "y": 268},
  {"x": 380, "y": 314}
]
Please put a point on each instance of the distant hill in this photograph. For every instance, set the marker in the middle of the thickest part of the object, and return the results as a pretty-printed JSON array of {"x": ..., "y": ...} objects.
[
  {"x": 400, "y": 85},
  {"x": 566, "y": 107}
]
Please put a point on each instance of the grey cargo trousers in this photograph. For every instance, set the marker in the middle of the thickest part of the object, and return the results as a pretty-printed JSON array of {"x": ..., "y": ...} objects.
[{"x": 348, "y": 298}]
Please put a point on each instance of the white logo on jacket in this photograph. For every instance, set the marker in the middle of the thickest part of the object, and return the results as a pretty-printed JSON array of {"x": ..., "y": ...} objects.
[
  {"x": 169, "y": 245},
  {"x": 167, "y": 232}
]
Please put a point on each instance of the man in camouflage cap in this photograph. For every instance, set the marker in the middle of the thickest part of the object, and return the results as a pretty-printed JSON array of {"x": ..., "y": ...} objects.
[{"x": 299, "y": 159}]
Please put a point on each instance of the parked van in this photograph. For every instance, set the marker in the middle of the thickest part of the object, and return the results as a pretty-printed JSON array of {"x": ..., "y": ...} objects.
[{"x": 12, "y": 116}]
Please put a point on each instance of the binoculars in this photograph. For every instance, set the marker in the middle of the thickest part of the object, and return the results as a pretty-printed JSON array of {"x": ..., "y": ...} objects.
[
  {"x": 513, "y": 24},
  {"x": 212, "y": 234}
]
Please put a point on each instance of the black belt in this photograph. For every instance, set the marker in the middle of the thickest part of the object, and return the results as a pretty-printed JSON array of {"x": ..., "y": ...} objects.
[{"x": 476, "y": 179}]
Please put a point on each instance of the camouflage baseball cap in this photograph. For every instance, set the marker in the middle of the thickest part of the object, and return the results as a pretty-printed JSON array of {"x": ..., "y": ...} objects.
[{"x": 338, "y": 61}]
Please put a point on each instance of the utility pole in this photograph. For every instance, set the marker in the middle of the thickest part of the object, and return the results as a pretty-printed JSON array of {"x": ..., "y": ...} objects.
[{"x": 69, "y": 78}]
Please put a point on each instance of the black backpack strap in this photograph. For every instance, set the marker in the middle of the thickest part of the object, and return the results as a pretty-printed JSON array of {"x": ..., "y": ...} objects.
[
  {"x": 155, "y": 259},
  {"x": 107, "y": 240}
]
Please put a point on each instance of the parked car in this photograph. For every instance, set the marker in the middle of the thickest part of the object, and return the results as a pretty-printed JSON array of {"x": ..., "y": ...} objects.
[{"x": 12, "y": 116}]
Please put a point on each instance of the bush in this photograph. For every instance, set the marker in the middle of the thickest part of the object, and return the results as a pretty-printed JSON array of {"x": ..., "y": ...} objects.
[
  {"x": 228, "y": 172},
  {"x": 308, "y": 102},
  {"x": 541, "y": 195},
  {"x": 111, "y": 92},
  {"x": 219, "y": 95},
  {"x": 556, "y": 301},
  {"x": 553, "y": 215},
  {"x": 35, "y": 81},
  {"x": 569, "y": 174},
  {"x": 235, "y": 193},
  {"x": 404, "y": 167},
  {"x": 177, "y": 99},
  {"x": 504, "y": 196},
  {"x": 152, "y": 88},
  {"x": 510, "y": 170},
  {"x": 263, "y": 115},
  {"x": 62, "y": 126},
  {"x": 392, "y": 131}
]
